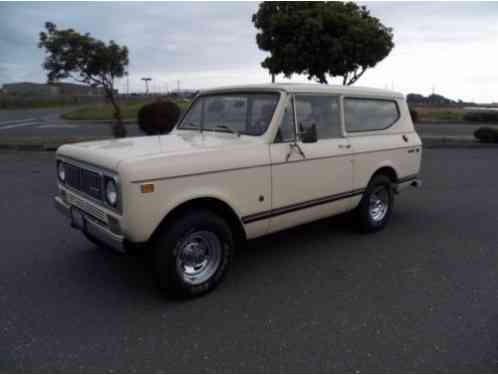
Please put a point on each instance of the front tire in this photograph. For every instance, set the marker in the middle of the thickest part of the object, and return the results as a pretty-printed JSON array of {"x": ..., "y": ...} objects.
[
  {"x": 375, "y": 208},
  {"x": 193, "y": 255}
]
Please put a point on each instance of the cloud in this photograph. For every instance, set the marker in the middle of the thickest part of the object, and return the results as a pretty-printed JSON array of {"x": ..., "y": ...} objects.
[{"x": 450, "y": 45}]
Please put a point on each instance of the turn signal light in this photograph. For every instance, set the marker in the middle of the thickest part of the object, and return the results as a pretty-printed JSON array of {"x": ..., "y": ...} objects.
[{"x": 147, "y": 188}]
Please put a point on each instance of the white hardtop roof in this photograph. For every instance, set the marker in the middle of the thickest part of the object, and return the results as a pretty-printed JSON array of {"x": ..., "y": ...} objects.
[{"x": 308, "y": 88}]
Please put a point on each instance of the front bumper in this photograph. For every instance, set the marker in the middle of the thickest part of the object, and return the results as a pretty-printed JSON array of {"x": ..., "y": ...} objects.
[{"x": 90, "y": 226}]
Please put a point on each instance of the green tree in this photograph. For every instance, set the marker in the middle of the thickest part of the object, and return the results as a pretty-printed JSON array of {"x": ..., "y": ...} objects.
[
  {"x": 320, "y": 39},
  {"x": 87, "y": 60}
]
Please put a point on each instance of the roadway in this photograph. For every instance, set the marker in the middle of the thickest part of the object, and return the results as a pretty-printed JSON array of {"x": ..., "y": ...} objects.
[{"x": 420, "y": 296}]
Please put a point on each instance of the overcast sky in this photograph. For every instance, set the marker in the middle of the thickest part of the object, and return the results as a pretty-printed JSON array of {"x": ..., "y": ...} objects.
[{"x": 451, "y": 46}]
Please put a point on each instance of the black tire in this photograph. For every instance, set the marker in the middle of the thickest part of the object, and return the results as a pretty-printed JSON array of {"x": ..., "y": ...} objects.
[
  {"x": 367, "y": 223},
  {"x": 168, "y": 245}
]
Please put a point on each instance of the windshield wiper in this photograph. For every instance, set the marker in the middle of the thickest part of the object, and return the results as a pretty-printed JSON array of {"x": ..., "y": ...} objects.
[{"x": 230, "y": 129}]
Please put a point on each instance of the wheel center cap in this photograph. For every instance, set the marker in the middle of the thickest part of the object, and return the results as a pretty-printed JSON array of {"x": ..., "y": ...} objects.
[{"x": 193, "y": 254}]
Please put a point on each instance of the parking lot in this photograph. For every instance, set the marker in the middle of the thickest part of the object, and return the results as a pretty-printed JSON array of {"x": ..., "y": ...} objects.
[{"x": 420, "y": 296}]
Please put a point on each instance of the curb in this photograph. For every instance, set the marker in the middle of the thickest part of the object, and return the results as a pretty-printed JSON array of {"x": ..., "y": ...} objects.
[
  {"x": 456, "y": 122},
  {"x": 443, "y": 142},
  {"x": 29, "y": 147},
  {"x": 30, "y": 144}
]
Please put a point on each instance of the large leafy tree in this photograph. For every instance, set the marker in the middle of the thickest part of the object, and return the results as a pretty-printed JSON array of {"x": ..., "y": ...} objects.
[
  {"x": 321, "y": 39},
  {"x": 87, "y": 60}
]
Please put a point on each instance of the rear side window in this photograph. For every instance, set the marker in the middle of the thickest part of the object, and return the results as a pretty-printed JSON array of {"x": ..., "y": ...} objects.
[{"x": 361, "y": 115}]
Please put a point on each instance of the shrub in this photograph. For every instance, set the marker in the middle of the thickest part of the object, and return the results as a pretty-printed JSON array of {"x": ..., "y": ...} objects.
[
  {"x": 159, "y": 117},
  {"x": 485, "y": 134},
  {"x": 481, "y": 116},
  {"x": 414, "y": 115}
]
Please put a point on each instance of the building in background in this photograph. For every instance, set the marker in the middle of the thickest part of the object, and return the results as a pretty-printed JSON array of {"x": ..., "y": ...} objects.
[{"x": 30, "y": 89}]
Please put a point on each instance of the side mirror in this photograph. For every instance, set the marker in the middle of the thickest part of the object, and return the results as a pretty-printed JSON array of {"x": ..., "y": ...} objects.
[{"x": 309, "y": 135}]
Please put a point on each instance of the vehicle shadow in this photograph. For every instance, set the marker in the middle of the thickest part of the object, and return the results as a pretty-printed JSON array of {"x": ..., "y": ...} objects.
[
  {"x": 314, "y": 232},
  {"x": 132, "y": 276}
]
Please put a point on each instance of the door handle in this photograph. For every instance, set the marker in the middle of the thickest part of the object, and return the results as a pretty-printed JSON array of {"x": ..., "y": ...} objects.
[{"x": 344, "y": 146}]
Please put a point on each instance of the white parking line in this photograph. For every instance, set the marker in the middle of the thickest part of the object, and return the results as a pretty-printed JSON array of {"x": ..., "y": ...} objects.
[
  {"x": 16, "y": 121},
  {"x": 20, "y": 125}
]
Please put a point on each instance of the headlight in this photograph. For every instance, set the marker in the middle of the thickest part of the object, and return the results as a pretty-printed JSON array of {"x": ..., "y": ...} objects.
[
  {"x": 111, "y": 192},
  {"x": 61, "y": 171}
]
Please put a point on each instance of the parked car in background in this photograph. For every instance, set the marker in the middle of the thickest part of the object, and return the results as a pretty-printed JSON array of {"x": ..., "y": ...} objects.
[{"x": 243, "y": 162}]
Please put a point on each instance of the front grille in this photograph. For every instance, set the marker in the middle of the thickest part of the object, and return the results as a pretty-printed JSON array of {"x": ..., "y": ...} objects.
[
  {"x": 84, "y": 180},
  {"x": 90, "y": 209}
]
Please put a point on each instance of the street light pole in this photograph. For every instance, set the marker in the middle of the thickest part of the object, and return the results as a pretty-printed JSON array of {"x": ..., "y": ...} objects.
[{"x": 146, "y": 80}]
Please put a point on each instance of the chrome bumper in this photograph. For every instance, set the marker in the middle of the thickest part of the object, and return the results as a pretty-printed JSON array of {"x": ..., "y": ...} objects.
[{"x": 91, "y": 227}]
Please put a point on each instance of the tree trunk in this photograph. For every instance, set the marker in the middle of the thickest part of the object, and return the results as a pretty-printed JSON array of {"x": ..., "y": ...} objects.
[{"x": 118, "y": 127}]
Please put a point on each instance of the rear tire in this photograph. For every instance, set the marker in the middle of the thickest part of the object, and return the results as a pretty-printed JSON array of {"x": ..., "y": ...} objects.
[
  {"x": 375, "y": 208},
  {"x": 193, "y": 255}
]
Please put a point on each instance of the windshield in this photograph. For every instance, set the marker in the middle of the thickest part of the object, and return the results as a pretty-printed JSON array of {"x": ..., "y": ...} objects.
[{"x": 244, "y": 113}]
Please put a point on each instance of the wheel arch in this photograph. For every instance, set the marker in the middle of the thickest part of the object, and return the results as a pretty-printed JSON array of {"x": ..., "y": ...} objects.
[
  {"x": 213, "y": 204},
  {"x": 387, "y": 170}
]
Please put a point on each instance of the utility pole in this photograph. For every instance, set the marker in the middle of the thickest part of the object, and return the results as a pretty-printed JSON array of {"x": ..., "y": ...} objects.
[
  {"x": 127, "y": 85},
  {"x": 178, "y": 86},
  {"x": 146, "y": 80}
]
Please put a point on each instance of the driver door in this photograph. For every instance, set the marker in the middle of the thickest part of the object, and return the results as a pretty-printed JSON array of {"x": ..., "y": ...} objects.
[{"x": 310, "y": 180}]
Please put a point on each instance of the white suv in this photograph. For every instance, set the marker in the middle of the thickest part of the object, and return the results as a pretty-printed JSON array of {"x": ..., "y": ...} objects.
[{"x": 243, "y": 162}]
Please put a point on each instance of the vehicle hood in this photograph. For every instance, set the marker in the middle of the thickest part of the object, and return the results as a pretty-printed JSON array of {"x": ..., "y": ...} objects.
[{"x": 110, "y": 153}]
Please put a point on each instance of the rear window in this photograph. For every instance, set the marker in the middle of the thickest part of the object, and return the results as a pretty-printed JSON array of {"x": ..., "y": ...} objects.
[{"x": 362, "y": 115}]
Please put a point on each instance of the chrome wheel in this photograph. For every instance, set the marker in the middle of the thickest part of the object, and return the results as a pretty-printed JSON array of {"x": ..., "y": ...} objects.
[
  {"x": 378, "y": 204},
  {"x": 198, "y": 257}
]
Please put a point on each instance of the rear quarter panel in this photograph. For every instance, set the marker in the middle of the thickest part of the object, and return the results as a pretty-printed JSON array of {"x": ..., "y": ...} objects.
[{"x": 398, "y": 147}]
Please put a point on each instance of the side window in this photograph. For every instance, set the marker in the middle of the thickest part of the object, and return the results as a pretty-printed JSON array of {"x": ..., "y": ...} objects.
[
  {"x": 319, "y": 110},
  {"x": 286, "y": 132},
  {"x": 369, "y": 114}
]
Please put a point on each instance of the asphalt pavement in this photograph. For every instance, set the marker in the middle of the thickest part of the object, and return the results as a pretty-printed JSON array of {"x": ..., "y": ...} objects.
[{"x": 420, "y": 296}]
